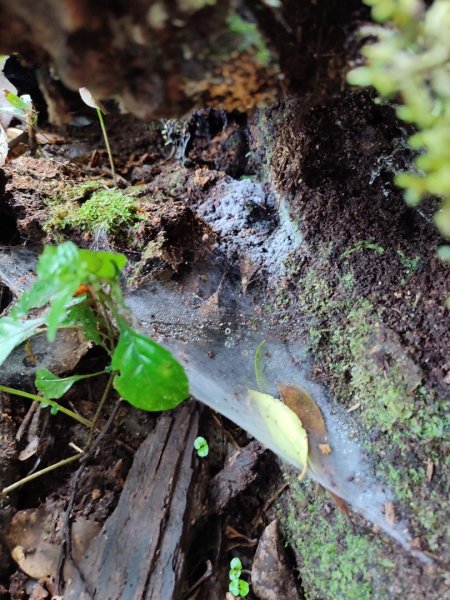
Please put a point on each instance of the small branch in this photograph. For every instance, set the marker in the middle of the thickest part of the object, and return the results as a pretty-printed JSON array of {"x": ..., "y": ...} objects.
[
  {"x": 28, "y": 478},
  {"x": 42, "y": 400}
]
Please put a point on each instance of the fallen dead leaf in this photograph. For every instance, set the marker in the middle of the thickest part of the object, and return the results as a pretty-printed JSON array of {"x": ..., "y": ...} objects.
[
  {"x": 272, "y": 577},
  {"x": 285, "y": 427},
  {"x": 30, "y": 449},
  {"x": 341, "y": 504},
  {"x": 34, "y": 541},
  {"x": 430, "y": 470},
  {"x": 301, "y": 402}
]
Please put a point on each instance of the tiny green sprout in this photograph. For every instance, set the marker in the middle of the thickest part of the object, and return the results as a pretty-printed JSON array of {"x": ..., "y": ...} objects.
[
  {"x": 54, "y": 410},
  {"x": 201, "y": 445},
  {"x": 239, "y": 588},
  {"x": 235, "y": 569}
]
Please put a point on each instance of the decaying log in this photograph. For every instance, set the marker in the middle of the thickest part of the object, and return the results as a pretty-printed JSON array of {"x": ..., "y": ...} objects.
[
  {"x": 140, "y": 552},
  {"x": 160, "y": 57}
]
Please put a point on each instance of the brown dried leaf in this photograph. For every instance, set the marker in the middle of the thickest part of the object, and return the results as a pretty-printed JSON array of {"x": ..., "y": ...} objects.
[
  {"x": 341, "y": 504},
  {"x": 34, "y": 540},
  {"x": 299, "y": 401}
]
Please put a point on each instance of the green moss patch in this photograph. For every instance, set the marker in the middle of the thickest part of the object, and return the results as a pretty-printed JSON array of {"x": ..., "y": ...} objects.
[
  {"x": 92, "y": 208},
  {"x": 334, "y": 562}
]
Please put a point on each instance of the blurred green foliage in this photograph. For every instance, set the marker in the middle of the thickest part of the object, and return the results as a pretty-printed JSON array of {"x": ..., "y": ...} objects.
[{"x": 409, "y": 62}]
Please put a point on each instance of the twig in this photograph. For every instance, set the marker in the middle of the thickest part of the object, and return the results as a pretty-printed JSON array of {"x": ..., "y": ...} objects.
[
  {"x": 66, "y": 546},
  {"x": 42, "y": 399},
  {"x": 5, "y": 491},
  {"x": 26, "y": 420},
  {"x": 206, "y": 575},
  {"x": 99, "y": 409}
]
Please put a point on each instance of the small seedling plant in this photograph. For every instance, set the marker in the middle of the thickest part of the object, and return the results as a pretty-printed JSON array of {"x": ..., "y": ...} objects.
[
  {"x": 201, "y": 446},
  {"x": 79, "y": 288},
  {"x": 238, "y": 587}
]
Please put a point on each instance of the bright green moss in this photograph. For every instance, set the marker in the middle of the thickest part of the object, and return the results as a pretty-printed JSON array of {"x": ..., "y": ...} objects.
[
  {"x": 335, "y": 564},
  {"x": 108, "y": 210}
]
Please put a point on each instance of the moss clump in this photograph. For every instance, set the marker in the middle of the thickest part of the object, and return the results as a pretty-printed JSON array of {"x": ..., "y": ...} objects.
[
  {"x": 107, "y": 210},
  {"x": 334, "y": 562}
]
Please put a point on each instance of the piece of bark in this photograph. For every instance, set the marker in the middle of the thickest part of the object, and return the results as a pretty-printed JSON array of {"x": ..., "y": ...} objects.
[
  {"x": 140, "y": 552},
  {"x": 272, "y": 577},
  {"x": 235, "y": 478}
]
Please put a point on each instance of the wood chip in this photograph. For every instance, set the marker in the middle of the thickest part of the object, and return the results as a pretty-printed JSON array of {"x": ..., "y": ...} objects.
[
  {"x": 430, "y": 470},
  {"x": 389, "y": 513},
  {"x": 325, "y": 449}
]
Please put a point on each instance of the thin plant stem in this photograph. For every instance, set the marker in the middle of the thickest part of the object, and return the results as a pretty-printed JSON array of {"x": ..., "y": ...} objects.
[
  {"x": 99, "y": 409},
  {"x": 41, "y": 399},
  {"x": 108, "y": 147},
  {"x": 65, "y": 461}
]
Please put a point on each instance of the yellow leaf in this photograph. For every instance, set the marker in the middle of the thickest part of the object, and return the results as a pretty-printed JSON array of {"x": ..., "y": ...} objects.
[{"x": 285, "y": 428}]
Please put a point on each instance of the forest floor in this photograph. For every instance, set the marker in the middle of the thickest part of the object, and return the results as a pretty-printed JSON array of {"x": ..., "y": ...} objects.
[{"x": 361, "y": 286}]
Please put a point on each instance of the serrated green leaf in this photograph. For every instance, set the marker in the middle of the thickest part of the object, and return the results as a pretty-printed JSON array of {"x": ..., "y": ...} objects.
[
  {"x": 61, "y": 270},
  {"x": 55, "y": 387},
  {"x": 285, "y": 428},
  {"x": 15, "y": 331},
  {"x": 149, "y": 378},
  {"x": 83, "y": 315}
]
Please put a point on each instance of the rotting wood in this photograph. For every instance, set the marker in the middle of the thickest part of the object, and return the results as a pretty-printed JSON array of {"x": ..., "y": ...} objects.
[{"x": 140, "y": 552}]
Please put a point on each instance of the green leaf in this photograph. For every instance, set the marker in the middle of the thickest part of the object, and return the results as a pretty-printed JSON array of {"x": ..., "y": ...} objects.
[
  {"x": 84, "y": 316},
  {"x": 444, "y": 253},
  {"x": 285, "y": 428},
  {"x": 21, "y": 105},
  {"x": 13, "y": 332},
  {"x": 150, "y": 378},
  {"x": 201, "y": 445},
  {"x": 239, "y": 588},
  {"x": 59, "y": 274},
  {"x": 103, "y": 265},
  {"x": 235, "y": 569},
  {"x": 54, "y": 387},
  {"x": 61, "y": 270}
]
